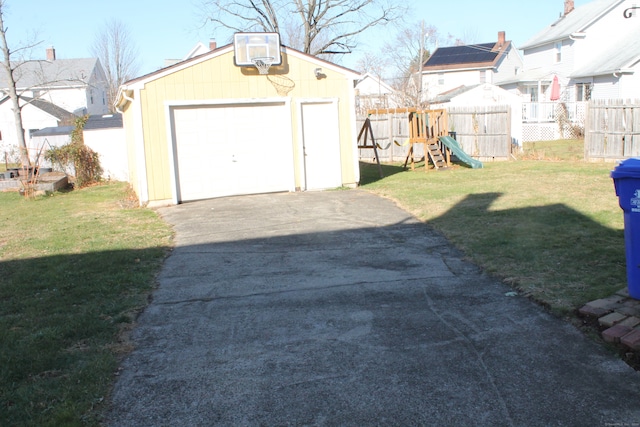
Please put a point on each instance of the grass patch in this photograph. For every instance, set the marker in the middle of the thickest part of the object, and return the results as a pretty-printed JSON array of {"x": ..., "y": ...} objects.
[
  {"x": 4, "y": 167},
  {"x": 559, "y": 150},
  {"x": 553, "y": 230},
  {"x": 75, "y": 268}
]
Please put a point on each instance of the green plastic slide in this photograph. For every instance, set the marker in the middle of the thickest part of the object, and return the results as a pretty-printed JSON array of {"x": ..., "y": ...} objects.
[{"x": 455, "y": 148}]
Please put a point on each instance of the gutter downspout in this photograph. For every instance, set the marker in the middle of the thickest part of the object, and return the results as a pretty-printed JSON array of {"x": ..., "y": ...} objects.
[{"x": 126, "y": 97}]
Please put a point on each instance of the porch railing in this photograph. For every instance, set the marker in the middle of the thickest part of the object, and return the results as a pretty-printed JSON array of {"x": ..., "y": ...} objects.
[{"x": 549, "y": 112}]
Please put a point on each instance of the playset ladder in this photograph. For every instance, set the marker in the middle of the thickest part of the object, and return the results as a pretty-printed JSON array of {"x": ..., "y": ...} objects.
[{"x": 436, "y": 156}]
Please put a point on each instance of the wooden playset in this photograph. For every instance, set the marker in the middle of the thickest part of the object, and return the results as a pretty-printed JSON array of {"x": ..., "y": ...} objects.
[{"x": 425, "y": 127}]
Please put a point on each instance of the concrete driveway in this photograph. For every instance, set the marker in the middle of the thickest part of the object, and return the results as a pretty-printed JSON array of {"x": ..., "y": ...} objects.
[{"x": 339, "y": 308}]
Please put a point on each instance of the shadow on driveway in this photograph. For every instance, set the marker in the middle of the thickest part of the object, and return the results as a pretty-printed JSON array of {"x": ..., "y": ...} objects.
[{"x": 339, "y": 308}]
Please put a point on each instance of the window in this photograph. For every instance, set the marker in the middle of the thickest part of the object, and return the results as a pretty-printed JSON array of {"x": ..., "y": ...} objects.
[
  {"x": 583, "y": 91},
  {"x": 483, "y": 76},
  {"x": 91, "y": 96},
  {"x": 559, "y": 52},
  {"x": 533, "y": 93},
  {"x": 441, "y": 79}
]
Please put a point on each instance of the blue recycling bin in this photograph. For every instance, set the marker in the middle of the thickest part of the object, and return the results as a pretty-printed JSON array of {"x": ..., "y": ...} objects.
[{"x": 626, "y": 179}]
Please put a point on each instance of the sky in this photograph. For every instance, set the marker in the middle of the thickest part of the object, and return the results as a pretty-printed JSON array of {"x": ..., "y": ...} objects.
[{"x": 163, "y": 29}]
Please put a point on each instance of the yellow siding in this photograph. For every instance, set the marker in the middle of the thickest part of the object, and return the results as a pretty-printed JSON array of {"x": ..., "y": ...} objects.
[{"x": 219, "y": 78}]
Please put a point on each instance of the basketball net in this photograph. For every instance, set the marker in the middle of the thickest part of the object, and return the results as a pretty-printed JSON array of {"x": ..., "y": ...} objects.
[
  {"x": 263, "y": 64},
  {"x": 283, "y": 84}
]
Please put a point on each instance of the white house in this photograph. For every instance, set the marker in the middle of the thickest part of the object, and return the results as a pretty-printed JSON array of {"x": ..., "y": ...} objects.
[
  {"x": 373, "y": 92},
  {"x": 467, "y": 65},
  {"x": 590, "y": 52},
  {"x": 591, "y": 49},
  {"x": 51, "y": 90},
  {"x": 36, "y": 114},
  {"x": 76, "y": 85},
  {"x": 484, "y": 95}
]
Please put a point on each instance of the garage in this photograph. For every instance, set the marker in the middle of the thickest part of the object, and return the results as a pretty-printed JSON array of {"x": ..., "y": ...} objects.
[
  {"x": 214, "y": 126},
  {"x": 232, "y": 149}
]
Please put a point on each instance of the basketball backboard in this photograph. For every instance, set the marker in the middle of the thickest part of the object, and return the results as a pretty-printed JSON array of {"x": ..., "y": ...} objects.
[{"x": 250, "y": 46}]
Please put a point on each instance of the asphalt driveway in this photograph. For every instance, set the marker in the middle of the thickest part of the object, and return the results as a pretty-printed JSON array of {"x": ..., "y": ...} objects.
[{"x": 339, "y": 308}]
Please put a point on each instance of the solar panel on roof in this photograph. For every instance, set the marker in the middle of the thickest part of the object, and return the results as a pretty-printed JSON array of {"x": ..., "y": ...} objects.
[{"x": 462, "y": 55}]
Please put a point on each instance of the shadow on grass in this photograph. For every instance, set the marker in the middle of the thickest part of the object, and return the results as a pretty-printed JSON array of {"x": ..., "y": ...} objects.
[
  {"x": 60, "y": 317},
  {"x": 369, "y": 172},
  {"x": 553, "y": 253}
]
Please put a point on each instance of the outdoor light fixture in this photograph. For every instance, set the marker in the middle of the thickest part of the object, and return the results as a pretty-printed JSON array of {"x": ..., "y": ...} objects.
[
  {"x": 628, "y": 11},
  {"x": 318, "y": 73}
]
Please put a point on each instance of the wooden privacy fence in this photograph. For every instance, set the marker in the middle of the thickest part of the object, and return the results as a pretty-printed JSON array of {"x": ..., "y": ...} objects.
[
  {"x": 612, "y": 129},
  {"x": 484, "y": 132}
]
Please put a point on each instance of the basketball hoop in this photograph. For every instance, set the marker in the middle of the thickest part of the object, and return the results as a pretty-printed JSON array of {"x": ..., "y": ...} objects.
[{"x": 263, "y": 63}]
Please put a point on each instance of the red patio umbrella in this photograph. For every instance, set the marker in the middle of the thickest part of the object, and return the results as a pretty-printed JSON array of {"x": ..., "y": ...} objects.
[{"x": 555, "y": 89}]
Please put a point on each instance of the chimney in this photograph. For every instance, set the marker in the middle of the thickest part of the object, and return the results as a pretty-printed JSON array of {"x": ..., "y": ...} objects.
[
  {"x": 501, "y": 38},
  {"x": 568, "y": 7},
  {"x": 51, "y": 54},
  {"x": 212, "y": 44}
]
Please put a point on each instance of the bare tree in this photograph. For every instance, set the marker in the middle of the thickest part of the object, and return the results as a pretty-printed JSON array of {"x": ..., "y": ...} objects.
[
  {"x": 118, "y": 55},
  {"x": 406, "y": 54},
  {"x": 373, "y": 63},
  {"x": 11, "y": 69},
  {"x": 323, "y": 26}
]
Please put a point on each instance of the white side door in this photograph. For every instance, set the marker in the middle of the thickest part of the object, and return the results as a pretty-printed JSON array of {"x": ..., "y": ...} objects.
[{"x": 321, "y": 144}]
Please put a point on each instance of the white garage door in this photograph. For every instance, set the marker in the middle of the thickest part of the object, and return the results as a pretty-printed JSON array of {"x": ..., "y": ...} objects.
[{"x": 226, "y": 150}]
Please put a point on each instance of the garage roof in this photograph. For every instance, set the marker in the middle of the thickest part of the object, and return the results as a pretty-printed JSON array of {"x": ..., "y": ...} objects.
[{"x": 139, "y": 82}]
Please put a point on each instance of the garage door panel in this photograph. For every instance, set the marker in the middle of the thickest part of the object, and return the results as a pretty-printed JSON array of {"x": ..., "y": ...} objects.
[{"x": 232, "y": 149}]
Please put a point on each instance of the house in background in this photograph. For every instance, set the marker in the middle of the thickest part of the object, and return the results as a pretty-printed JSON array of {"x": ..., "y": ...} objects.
[
  {"x": 593, "y": 51},
  {"x": 482, "y": 95},
  {"x": 36, "y": 114},
  {"x": 76, "y": 85},
  {"x": 372, "y": 92},
  {"x": 590, "y": 52},
  {"x": 451, "y": 67},
  {"x": 206, "y": 127},
  {"x": 51, "y": 90}
]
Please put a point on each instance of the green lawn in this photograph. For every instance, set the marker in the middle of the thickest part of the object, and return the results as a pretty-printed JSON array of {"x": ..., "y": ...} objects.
[
  {"x": 551, "y": 229},
  {"x": 560, "y": 150},
  {"x": 75, "y": 267},
  {"x": 4, "y": 167}
]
